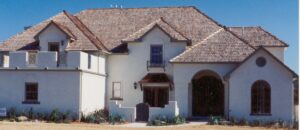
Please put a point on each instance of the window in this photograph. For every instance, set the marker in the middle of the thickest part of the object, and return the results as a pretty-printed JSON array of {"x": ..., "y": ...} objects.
[
  {"x": 261, "y": 61},
  {"x": 89, "y": 60},
  {"x": 32, "y": 58},
  {"x": 116, "y": 93},
  {"x": 156, "y": 55},
  {"x": 261, "y": 98},
  {"x": 31, "y": 93}
]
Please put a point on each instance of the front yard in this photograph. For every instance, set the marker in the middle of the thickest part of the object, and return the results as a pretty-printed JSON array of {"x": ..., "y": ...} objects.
[{"x": 83, "y": 126}]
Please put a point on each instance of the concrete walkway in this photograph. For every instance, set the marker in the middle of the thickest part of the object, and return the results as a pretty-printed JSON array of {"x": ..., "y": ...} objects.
[{"x": 144, "y": 124}]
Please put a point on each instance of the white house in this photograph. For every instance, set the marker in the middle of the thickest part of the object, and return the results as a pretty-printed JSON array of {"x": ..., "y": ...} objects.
[{"x": 141, "y": 63}]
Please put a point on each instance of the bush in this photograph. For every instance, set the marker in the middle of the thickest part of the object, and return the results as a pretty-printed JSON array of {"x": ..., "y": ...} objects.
[
  {"x": 55, "y": 116},
  {"x": 12, "y": 113},
  {"x": 98, "y": 116},
  {"x": 163, "y": 120},
  {"x": 112, "y": 119}
]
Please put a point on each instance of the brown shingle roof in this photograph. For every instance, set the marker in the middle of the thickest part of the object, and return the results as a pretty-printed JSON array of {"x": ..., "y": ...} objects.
[
  {"x": 26, "y": 38},
  {"x": 257, "y": 36},
  {"x": 160, "y": 23},
  {"x": 114, "y": 24},
  {"x": 220, "y": 46}
]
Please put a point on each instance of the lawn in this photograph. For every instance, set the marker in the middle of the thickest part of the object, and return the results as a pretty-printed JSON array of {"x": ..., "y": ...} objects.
[{"x": 53, "y": 126}]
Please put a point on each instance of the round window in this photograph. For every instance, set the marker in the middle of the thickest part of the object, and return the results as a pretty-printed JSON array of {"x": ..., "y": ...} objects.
[{"x": 261, "y": 61}]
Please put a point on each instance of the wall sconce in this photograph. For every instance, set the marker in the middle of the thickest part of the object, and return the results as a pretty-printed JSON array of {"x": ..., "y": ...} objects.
[{"x": 135, "y": 85}]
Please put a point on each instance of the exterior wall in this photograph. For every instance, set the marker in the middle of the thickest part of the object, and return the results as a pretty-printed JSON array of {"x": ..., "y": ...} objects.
[
  {"x": 277, "y": 52},
  {"x": 279, "y": 79},
  {"x": 131, "y": 68},
  {"x": 170, "y": 110},
  {"x": 183, "y": 75},
  {"x": 56, "y": 89},
  {"x": 52, "y": 34},
  {"x": 92, "y": 92},
  {"x": 129, "y": 113}
]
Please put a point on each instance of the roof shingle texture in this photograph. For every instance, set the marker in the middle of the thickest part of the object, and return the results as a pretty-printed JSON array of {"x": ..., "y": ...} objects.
[
  {"x": 220, "y": 46},
  {"x": 257, "y": 36},
  {"x": 163, "y": 25}
]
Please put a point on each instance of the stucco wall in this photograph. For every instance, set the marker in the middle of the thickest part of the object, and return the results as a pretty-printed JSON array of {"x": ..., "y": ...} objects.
[
  {"x": 277, "y": 51},
  {"x": 56, "y": 89},
  {"x": 52, "y": 34},
  {"x": 131, "y": 68},
  {"x": 183, "y": 74},
  {"x": 170, "y": 111},
  {"x": 279, "y": 79},
  {"x": 92, "y": 92}
]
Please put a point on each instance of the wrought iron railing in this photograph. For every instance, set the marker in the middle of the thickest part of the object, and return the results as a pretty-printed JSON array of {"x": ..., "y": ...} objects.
[{"x": 155, "y": 65}]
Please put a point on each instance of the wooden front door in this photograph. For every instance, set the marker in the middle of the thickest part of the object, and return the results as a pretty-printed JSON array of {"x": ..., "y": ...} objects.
[
  {"x": 208, "y": 96},
  {"x": 156, "y": 96},
  {"x": 142, "y": 112}
]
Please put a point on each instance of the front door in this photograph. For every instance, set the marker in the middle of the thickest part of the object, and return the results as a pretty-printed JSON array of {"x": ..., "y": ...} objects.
[
  {"x": 208, "y": 96},
  {"x": 156, "y": 96}
]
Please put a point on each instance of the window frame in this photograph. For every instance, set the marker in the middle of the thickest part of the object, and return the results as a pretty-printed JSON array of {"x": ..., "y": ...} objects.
[
  {"x": 113, "y": 91},
  {"x": 263, "y": 98},
  {"x": 31, "y": 101},
  {"x": 161, "y": 56}
]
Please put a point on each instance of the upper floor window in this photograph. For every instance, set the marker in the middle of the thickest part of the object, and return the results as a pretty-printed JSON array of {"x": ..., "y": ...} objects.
[
  {"x": 260, "y": 98},
  {"x": 156, "y": 56},
  {"x": 31, "y": 93}
]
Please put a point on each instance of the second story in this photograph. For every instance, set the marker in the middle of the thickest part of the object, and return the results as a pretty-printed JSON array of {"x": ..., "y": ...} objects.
[{"x": 146, "y": 38}]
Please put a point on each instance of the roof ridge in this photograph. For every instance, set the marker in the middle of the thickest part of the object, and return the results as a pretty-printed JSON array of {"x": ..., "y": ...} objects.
[
  {"x": 139, "y": 8},
  {"x": 192, "y": 47},
  {"x": 174, "y": 28},
  {"x": 243, "y": 40},
  {"x": 94, "y": 39}
]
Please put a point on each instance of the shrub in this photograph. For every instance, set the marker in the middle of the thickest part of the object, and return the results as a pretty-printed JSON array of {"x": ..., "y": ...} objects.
[
  {"x": 98, "y": 116},
  {"x": 163, "y": 120},
  {"x": 12, "y": 113},
  {"x": 112, "y": 119},
  {"x": 55, "y": 116}
]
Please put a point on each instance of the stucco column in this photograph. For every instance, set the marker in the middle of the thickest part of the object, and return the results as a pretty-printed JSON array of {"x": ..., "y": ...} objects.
[{"x": 181, "y": 96}]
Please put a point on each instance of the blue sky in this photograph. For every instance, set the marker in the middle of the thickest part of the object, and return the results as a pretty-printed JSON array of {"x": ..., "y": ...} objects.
[{"x": 280, "y": 17}]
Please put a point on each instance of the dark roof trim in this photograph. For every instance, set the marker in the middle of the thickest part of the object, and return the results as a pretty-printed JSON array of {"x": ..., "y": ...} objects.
[
  {"x": 158, "y": 26},
  {"x": 261, "y": 48},
  {"x": 217, "y": 62},
  {"x": 62, "y": 28},
  {"x": 87, "y": 32}
]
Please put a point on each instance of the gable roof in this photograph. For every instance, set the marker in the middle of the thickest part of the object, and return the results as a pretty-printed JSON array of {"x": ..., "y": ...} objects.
[
  {"x": 257, "y": 36},
  {"x": 162, "y": 25},
  {"x": 26, "y": 38},
  {"x": 269, "y": 53},
  {"x": 220, "y": 46},
  {"x": 60, "y": 27}
]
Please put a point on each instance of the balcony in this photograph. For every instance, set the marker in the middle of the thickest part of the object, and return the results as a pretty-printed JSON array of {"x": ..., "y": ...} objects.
[
  {"x": 54, "y": 60},
  {"x": 156, "y": 65}
]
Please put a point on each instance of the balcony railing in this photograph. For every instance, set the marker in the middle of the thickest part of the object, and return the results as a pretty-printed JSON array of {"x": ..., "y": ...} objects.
[
  {"x": 32, "y": 59},
  {"x": 155, "y": 65}
]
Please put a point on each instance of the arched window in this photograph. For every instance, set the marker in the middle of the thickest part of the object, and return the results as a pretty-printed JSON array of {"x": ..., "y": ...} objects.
[{"x": 260, "y": 98}]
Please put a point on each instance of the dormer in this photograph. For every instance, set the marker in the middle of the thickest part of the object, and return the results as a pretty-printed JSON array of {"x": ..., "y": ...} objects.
[{"x": 54, "y": 37}]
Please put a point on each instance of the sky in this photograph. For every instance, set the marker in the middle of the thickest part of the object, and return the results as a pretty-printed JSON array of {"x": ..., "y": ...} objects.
[{"x": 280, "y": 17}]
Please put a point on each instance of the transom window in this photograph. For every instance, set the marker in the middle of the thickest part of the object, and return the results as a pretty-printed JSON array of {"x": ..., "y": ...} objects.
[
  {"x": 156, "y": 55},
  {"x": 116, "y": 93},
  {"x": 31, "y": 92},
  {"x": 261, "y": 98}
]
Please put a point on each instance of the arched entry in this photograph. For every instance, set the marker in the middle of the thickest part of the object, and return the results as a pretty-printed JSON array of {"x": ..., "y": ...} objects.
[{"x": 207, "y": 94}]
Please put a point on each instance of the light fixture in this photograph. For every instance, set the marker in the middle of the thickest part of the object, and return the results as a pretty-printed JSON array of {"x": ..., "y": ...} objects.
[{"x": 135, "y": 85}]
